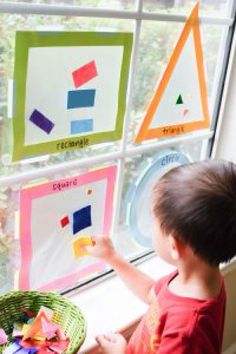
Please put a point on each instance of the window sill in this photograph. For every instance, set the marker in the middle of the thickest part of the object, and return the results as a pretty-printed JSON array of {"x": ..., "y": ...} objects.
[{"x": 106, "y": 306}]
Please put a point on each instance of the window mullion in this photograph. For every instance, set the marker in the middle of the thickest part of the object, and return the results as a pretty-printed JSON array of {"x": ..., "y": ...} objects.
[{"x": 121, "y": 171}]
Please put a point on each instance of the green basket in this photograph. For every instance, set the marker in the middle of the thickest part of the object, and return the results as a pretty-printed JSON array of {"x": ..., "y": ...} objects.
[{"x": 68, "y": 316}]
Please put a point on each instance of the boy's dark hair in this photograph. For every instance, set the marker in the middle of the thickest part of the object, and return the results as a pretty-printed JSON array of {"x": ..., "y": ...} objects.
[{"x": 196, "y": 203}]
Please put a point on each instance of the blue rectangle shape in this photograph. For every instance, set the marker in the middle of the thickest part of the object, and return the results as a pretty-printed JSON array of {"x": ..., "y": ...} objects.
[
  {"x": 82, "y": 219},
  {"x": 80, "y": 98},
  {"x": 81, "y": 126}
]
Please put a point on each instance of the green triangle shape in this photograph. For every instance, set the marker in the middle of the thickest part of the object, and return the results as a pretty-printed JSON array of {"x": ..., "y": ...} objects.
[{"x": 179, "y": 100}]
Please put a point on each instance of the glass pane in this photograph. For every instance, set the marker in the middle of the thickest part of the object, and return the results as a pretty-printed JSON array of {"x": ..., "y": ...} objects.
[
  {"x": 157, "y": 42},
  {"x": 105, "y": 4},
  {"x": 9, "y": 25},
  {"x": 92, "y": 187},
  {"x": 124, "y": 236},
  {"x": 218, "y": 8}
]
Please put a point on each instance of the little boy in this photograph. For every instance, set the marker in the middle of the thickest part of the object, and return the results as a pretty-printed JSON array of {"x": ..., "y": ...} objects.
[{"x": 194, "y": 209}]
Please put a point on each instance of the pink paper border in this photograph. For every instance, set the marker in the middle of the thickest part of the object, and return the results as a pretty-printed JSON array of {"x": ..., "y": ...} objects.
[{"x": 26, "y": 197}]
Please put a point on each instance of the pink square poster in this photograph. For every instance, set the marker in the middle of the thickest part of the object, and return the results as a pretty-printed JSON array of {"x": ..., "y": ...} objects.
[{"x": 52, "y": 216}]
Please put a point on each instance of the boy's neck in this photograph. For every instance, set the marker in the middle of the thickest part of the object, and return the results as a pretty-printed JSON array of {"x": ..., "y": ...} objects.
[{"x": 197, "y": 279}]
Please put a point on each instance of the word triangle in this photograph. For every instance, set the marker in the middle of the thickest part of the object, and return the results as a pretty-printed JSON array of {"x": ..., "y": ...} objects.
[{"x": 180, "y": 102}]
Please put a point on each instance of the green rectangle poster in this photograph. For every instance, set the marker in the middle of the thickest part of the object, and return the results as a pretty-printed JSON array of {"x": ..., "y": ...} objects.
[{"x": 69, "y": 90}]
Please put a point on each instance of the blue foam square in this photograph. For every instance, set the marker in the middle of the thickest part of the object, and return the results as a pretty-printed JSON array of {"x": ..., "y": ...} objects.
[{"x": 82, "y": 219}]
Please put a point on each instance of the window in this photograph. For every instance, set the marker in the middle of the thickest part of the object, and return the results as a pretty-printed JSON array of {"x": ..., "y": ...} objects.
[{"x": 156, "y": 24}]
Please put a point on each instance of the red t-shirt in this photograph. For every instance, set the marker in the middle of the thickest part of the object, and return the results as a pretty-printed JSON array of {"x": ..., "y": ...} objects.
[{"x": 180, "y": 325}]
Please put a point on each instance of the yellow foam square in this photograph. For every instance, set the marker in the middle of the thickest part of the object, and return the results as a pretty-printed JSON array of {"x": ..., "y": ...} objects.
[{"x": 79, "y": 243}]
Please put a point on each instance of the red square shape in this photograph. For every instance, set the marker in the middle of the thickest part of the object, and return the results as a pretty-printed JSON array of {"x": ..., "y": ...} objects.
[{"x": 65, "y": 221}]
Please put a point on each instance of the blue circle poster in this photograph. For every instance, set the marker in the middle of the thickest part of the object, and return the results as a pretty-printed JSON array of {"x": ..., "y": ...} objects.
[{"x": 139, "y": 215}]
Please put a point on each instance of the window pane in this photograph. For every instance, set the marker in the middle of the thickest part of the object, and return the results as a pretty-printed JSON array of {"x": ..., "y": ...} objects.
[
  {"x": 157, "y": 42},
  {"x": 219, "y": 8},
  {"x": 124, "y": 236},
  {"x": 106, "y": 4},
  {"x": 9, "y": 25}
]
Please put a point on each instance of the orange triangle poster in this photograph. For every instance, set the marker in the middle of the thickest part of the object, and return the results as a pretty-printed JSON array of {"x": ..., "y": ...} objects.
[{"x": 180, "y": 103}]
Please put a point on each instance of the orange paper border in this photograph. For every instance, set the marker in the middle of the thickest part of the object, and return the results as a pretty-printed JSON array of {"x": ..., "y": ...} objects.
[{"x": 150, "y": 133}]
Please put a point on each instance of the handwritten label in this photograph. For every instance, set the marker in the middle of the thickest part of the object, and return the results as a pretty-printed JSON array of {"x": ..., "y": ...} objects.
[
  {"x": 170, "y": 158},
  {"x": 71, "y": 144},
  {"x": 59, "y": 186},
  {"x": 173, "y": 130}
]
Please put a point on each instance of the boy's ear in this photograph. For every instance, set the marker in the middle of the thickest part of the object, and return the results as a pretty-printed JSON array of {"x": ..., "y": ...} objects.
[{"x": 176, "y": 248}]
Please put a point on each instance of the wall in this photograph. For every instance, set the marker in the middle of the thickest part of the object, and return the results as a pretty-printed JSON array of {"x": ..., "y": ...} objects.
[
  {"x": 225, "y": 148},
  {"x": 230, "y": 319}
]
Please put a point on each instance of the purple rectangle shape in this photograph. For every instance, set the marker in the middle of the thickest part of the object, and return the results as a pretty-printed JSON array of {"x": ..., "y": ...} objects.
[{"x": 41, "y": 121}]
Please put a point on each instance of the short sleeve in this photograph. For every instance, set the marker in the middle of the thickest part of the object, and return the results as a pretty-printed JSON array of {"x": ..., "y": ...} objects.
[
  {"x": 175, "y": 343},
  {"x": 193, "y": 338}
]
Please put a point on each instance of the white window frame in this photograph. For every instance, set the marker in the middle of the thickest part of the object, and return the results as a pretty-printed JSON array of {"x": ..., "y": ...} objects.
[{"x": 125, "y": 151}]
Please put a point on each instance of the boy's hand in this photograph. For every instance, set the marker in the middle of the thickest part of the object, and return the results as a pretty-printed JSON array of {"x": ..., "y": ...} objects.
[
  {"x": 102, "y": 248},
  {"x": 113, "y": 343}
]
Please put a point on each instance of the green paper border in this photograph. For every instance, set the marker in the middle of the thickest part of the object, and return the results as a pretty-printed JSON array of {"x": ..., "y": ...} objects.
[{"x": 28, "y": 39}]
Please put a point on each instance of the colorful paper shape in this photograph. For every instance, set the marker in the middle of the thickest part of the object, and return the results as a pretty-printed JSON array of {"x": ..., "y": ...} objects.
[
  {"x": 27, "y": 346},
  {"x": 41, "y": 121},
  {"x": 44, "y": 350},
  {"x": 65, "y": 61},
  {"x": 60, "y": 347},
  {"x": 34, "y": 330},
  {"x": 49, "y": 329},
  {"x": 185, "y": 112},
  {"x": 185, "y": 74},
  {"x": 81, "y": 126},
  {"x": 80, "y": 98},
  {"x": 27, "y": 350},
  {"x": 3, "y": 337},
  {"x": 65, "y": 221},
  {"x": 12, "y": 348},
  {"x": 78, "y": 245},
  {"x": 82, "y": 219},
  {"x": 25, "y": 328},
  {"x": 48, "y": 312},
  {"x": 31, "y": 343},
  {"x": 27, "y": 313},
  {"x": 17, "y": 332},
  {"x": 84, "y": 74},
  {"x": 179, "y": 100},
  {"x": 43, "y": 241}
]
